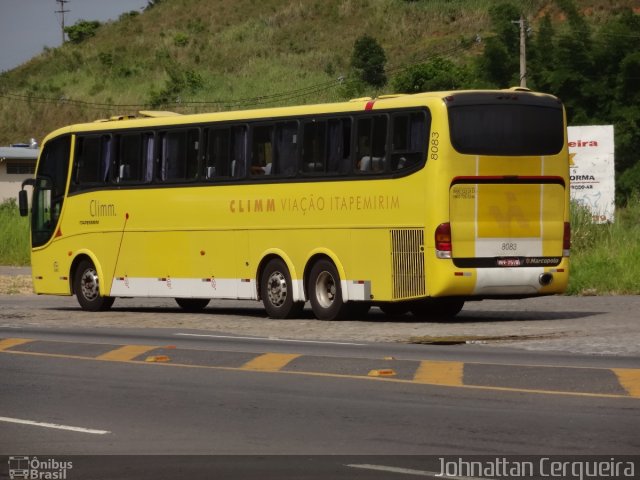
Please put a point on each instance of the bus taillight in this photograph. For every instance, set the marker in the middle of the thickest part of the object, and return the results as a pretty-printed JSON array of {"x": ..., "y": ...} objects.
[
  {"x": 443, "y": 240},
  {"x": 566, "y": 240}
]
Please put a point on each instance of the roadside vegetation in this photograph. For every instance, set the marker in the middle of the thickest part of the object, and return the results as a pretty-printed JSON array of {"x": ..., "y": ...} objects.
[
  {"x": 14, "y": 235},
  {"x": 197, "y": 55},
  {"x": 605, "y": 258}
]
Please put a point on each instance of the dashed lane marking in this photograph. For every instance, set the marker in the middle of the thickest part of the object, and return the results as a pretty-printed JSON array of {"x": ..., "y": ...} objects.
[
  {"x": 53, "y": 425},
  {"x": 13, "y": 342},
  {"x": 270, "y": 362},
  {"x": 629, "y": 378},
  {"x": 437, "y": 373},
  {"x": 440, "y": 373},
  {"x": 126, "y": 353}
]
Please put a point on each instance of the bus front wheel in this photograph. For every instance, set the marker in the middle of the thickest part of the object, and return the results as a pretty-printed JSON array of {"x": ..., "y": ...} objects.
[
  {"x": 325, "y": 292},
  {"x": 276, "y": 290},
  {"x": 86, "y": 286}
]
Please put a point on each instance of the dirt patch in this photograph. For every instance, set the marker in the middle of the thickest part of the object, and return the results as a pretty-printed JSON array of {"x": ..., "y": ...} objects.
[{"x": 16, "y": 284}]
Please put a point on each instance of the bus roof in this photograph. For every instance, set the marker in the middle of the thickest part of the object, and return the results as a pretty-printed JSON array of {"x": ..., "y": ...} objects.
[{"x": 153, "y": 119}]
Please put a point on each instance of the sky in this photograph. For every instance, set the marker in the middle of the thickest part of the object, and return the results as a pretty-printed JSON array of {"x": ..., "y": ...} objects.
[{"x": 27, "y": 26}]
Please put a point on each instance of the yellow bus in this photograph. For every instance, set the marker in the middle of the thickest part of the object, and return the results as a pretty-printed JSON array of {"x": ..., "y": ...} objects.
[{"x": 406, "y": 202}]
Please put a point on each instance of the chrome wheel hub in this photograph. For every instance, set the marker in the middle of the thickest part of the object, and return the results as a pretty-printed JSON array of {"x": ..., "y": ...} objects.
[
  {"x": 90, "y": 285},
  {"x": 277, "y": 289},
  {"x": 325, "y": 289}
]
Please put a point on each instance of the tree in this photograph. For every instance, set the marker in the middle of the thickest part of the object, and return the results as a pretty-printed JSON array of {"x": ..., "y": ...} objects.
[
  {"x": 499, "y": 63},
  {"x": 541, "y": 55},
  {"x": 434, "y": 75},
  {"x": 368, "y": 62},
  {"x": 81, "y": 30}
]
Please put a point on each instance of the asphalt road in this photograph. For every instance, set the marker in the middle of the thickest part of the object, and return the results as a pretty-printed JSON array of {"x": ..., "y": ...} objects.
[{"x": 222, "y": 383}]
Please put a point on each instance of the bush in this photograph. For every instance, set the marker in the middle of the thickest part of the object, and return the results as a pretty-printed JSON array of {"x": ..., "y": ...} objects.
[
  {"x": 82, "y": 30},
  {"x": 181, "y": 39},
  {"x": 437, "y": 74}
]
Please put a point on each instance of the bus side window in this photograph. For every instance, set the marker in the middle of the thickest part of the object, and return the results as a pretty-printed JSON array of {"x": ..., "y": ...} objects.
[
  {"x": 239, "y": 151},
  {"x": 371, "y": 143},
  {"x": 225, "y": 153},
  {"x": 217, "y": 162},
  {"x": 285, "y": 152},
  {"x": 128, "y": 161},
  {"x": 179, "y": 155},
  {"x": 192, "y": 154},
  {"x": 261, "y": 150},
  {"x": 91, "y": 163},
  {"x": 314, "y": 136},
  {"x": 409, "y": 134},
  {"x": 86, "y": 162},
  {"x": 148, "y": 143},
  {"x": 339, "y": 146},
  {"x": 105, "y": 160}
]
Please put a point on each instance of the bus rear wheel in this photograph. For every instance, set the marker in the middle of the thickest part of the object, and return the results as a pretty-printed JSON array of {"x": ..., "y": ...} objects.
[
  {"x": 325, "y": 292},
  {"x": 276, "y": 290},
  {"x": 86, "y": 285},
  {"x": 192, "y": 304}
]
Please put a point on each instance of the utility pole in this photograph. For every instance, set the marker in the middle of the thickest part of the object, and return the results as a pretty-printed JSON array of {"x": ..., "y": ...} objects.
[
  {"x": 523, "y": 51},
  {"x": 62, "y": 11}
]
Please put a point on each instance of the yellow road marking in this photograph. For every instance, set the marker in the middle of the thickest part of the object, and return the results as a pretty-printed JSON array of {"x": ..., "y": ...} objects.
[
  {"x": 13, "y": 342},
  {"x": 125, "y": 353},
  {"x": 629, "y": 378},
  {"x": 337, "y": 375},
  {"x": 440, "y": 373},
  {"x": 437, "y": 373},
  {"x": 270, "y": 362}
]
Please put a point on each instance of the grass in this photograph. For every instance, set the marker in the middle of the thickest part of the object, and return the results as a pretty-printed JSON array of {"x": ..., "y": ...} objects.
[
  {"x": 605, "y": 258},
  {"x": 241, "y": 49},
  {"x": 14, "y": 235}
]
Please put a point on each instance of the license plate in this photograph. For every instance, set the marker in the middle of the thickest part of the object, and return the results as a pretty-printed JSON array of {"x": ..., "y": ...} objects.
[{"x": 509, "y": 262}]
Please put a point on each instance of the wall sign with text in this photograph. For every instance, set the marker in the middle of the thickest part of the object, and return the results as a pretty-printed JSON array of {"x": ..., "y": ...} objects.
[{"x": 592, "y": 170}]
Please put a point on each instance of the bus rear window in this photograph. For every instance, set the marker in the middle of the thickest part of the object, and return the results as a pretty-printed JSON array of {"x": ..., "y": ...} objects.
[{"x": 506, "y": 129}]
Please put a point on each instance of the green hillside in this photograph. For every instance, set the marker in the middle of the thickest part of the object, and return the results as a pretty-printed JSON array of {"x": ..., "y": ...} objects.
[{"x": 205, "y": 55}]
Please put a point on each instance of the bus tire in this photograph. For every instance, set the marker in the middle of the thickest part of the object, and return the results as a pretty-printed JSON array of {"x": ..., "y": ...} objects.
[
  {"x": 276, "y": 290},
  {"x": 437, "y": 308},
  {"x": 86, "y": 286},
  {"x": 325, "y": 292},
  {"x": 192, "y": 304}
]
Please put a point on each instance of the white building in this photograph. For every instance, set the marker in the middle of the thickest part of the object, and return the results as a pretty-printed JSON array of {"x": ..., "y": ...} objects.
[{"x": 17, "y": 163}]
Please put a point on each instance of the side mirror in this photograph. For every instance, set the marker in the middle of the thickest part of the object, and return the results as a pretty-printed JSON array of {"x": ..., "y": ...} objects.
[
  {"x": 23, "y": 197},
  {"x": 23, "y": 203}
]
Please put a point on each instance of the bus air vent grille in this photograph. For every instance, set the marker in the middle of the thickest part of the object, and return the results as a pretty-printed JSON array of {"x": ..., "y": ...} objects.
[{"x": 407, "y": 257}]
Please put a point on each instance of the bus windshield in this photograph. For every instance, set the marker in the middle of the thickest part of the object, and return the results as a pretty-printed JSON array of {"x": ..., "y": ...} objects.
[{"x": 49, "y": 190}]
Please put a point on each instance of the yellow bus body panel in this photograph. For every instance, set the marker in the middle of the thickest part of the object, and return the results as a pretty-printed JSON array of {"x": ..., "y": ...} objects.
[{"x": 211, "y": 240}]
